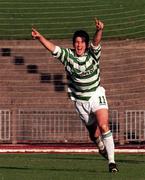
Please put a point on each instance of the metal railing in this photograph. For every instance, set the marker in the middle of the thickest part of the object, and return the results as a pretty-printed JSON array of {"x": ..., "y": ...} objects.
[
  {"x": 63, "y": 126},
  {"x": 135, "y": 125},
  {"x": 5, "y": 124},
  {"x": 49, "y": 125}
]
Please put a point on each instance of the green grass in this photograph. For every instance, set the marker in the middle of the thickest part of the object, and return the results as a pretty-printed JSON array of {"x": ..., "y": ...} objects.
[
  {"x": 59, "y": 18},
  {"x": 69, "y": 167}
]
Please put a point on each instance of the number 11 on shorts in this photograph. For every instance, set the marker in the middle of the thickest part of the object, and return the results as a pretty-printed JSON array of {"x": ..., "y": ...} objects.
[{"x": 102, "y": 100}]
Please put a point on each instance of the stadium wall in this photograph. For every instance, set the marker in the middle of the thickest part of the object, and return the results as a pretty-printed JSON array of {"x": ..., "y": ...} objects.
[{"x": 35, "y": 107}]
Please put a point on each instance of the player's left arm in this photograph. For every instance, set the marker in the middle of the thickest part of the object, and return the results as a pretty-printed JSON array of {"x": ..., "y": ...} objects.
[{"x": 99, "y": 31}]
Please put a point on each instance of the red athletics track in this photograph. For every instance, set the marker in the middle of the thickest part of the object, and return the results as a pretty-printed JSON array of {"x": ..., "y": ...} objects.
[{"x": 66, "y": 148}]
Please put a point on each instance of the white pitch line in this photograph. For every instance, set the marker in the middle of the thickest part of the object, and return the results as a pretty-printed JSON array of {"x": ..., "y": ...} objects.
[{"x": 63, "y": 150}]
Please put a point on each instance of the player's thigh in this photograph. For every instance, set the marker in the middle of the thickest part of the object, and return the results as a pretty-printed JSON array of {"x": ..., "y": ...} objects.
[{"x": 102, "y": 117}]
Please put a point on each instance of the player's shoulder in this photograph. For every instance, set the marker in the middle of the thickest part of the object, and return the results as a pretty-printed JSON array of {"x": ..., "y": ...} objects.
[
  {"x": 92, "y": 46},
  {"x": 71, "y": 51}
]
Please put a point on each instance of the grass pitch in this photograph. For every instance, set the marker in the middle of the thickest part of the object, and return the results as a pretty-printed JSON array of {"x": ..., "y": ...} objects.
[{"x": 69, "y": 167}]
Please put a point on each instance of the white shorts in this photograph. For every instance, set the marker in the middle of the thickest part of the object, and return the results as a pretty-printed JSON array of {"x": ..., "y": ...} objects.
[{"x": 86, "y": 109}]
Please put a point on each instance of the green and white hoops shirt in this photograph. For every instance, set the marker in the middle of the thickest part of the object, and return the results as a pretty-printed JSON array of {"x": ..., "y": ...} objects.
[{"x": 83, "y": 72}]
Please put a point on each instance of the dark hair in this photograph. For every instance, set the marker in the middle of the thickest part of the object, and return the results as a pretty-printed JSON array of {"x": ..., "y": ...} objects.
[{"x": 83, "y": 34}]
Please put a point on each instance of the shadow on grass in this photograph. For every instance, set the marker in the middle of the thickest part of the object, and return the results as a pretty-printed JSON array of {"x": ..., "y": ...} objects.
[
  {"x": 15, "y": 168},
  {"x": 74, "y": 158},
  {"x": 54, "y": 169},
  {"x": 130, "y": 161}
]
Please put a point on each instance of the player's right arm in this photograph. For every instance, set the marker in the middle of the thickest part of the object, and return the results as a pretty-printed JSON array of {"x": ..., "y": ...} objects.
[{"x": 46, "y": 43}]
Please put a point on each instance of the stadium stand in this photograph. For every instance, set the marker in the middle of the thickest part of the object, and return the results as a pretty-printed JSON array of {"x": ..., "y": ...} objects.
[{"x": 25, "y": 95}]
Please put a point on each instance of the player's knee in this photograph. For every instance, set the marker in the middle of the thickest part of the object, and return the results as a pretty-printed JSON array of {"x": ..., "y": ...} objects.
[{"x": 104, "y": 128}]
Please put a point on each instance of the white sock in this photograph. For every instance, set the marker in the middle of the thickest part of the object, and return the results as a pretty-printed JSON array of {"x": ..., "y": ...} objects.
[{"x": 109, "y": 144}]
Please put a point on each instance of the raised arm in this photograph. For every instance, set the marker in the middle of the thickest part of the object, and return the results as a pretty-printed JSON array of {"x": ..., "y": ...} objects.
[
  {"x": 98, "y": 34},
  {"x": 46, "y": 43}
]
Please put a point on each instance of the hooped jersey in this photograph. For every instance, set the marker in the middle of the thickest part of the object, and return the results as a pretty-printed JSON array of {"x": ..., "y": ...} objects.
[{"x": 83, "y": 72}]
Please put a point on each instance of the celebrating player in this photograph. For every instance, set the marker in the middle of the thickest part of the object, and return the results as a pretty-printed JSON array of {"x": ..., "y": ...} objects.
[{"x": 82, "y": 67}]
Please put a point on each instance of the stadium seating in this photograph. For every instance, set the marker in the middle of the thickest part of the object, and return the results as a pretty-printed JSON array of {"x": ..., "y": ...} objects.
[{"x": 122, "y": 74}]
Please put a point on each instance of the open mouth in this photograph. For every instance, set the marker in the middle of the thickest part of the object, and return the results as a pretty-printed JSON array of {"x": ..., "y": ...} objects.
[{"x": 79, "y": 50}]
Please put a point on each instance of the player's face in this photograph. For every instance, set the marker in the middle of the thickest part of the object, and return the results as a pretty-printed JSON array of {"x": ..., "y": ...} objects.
[{"x": 80, "y": 46}]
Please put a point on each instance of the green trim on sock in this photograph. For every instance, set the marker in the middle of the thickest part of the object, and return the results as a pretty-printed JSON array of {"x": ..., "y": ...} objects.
[{"x": 106, "y": 135}]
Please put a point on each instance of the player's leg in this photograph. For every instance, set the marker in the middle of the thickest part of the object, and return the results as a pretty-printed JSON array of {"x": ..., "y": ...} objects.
[
  {"x": 95, "y": 136},
  {"x": 103, "y": 123},
  {"x": 99, "y": 106},
  {"x": 89, "y": 119}
]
